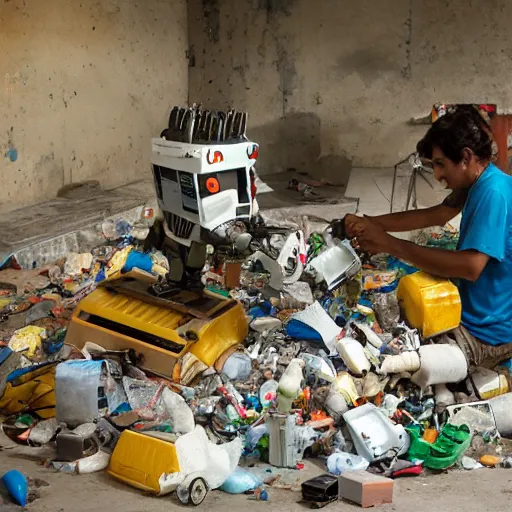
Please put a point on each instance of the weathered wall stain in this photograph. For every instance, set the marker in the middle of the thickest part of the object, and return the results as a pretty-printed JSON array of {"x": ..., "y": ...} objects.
[
  {"x": 211, "y": 11},
  {"x": 357, "y": 71},
  {"x": 278, "y": 6},
  {"x": 368, "y": 63},
  {"x": 407, "y": 69},
  {"x": 44, "y": 160},
  {"x": 86, "y": 84}
]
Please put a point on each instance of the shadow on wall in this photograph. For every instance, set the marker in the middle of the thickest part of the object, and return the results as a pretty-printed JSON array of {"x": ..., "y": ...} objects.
[{"x": 294, "y": 142}]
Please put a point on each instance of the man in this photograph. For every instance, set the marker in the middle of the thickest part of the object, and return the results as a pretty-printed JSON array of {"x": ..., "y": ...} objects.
[{"x": 458, "y": 146}]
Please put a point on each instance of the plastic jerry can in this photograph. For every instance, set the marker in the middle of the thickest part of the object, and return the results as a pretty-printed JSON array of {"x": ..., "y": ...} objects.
[{"x": 430, "y": 304}]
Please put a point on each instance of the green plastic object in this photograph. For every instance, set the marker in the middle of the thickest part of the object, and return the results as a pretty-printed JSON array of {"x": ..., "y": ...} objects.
[
  {"x": 451, "y": 444},
  {"x": 223, "y": 293}
]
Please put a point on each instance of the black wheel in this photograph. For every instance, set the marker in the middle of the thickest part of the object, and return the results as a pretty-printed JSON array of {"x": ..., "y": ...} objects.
[{"x": 197, "y": 492}]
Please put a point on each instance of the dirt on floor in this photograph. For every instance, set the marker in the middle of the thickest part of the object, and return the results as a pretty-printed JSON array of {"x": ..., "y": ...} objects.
[{"x": 453, "y": 491}]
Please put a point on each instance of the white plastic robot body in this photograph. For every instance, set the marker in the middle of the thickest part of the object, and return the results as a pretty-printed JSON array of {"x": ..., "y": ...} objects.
[{"x": 203, "y": 185}]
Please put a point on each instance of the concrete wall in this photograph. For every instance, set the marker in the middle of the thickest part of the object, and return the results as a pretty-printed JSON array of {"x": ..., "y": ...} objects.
[
  {"x": 86, "y": 84},
  {"x": 330, "y": 82}
]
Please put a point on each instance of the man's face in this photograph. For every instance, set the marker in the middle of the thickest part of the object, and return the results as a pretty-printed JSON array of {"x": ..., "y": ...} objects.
[{"x": 447, "y": 172}]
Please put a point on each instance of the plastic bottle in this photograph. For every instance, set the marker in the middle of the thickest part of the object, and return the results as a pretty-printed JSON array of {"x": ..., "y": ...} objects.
[
  {"x": 339, "y": 462},
  {"x": 319, "y": 366},
  {"x": 430, "y": 435},
  {"x": 268, "y": 392},
  {"x": 352, "y": 353},
  {"x": 289, "y": 385}
]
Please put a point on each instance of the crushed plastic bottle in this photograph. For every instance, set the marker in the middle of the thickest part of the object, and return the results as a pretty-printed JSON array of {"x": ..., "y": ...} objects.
[{"x": 339, "y": 462}]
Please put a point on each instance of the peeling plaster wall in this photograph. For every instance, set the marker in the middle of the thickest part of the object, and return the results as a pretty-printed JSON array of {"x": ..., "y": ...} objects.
[
  {"x": 86, "y": 85},
  {"x": 332, "y": 83}
]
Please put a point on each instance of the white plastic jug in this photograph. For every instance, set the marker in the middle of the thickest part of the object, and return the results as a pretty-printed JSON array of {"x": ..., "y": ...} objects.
[
  {"x": 352, "y": 353},
  {"x": 289, "y": 385}
]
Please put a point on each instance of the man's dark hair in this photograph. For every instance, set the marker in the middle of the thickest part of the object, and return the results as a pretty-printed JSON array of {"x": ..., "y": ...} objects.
[{"x": 451, "y": 133}]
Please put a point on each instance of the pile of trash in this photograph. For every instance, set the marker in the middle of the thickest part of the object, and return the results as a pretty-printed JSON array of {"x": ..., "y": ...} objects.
[{"x": 297, "y": 347}]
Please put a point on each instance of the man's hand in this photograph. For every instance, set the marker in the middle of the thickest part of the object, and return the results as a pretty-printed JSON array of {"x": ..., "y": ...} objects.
[
  {"x": 351, "y": 224},
  {"x": 368, "y": 235}
]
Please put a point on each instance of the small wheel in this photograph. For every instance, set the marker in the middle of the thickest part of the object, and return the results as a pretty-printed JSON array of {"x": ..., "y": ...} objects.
[{"x": 197, "y": 491}]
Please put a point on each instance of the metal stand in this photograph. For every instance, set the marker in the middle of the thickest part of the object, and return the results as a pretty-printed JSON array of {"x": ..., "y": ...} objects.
[{"x": 417, "y": 169}]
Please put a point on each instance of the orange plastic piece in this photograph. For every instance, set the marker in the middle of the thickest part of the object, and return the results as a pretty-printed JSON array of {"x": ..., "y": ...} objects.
[
  {"x": 430, "y": 435},
  {"x": 489, "y": 461},
  {"x": 318, "y": 416}
]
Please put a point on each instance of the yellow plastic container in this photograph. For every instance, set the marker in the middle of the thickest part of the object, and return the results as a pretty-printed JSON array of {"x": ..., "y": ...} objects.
[
  {"x": 33, "y": 390},
  {"x": 140, "y": 460},
  {"x": 430, "y": 304},
  {"x": 221, "y": 333}
]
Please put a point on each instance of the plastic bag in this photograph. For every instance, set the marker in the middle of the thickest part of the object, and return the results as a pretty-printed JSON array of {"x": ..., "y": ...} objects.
[
  {"x": 339, "y": 462},
  {"x": 38, "y": 311},
  {"x": 97, "y": 462},
  {"x": 196, "y": 453},
  {"x": 300, "y": 292},
  {"x": 386, "y": 310},
  {"x": 27, "y": 340},
  {"x": 76, "y": 391},
  {"x": 238, "y": 366},
  {"x": 43, "y": 431},
  {"x": 179, "y": 412},
  {"x": 77, "y": 263},
  {"x": 253, "y": 435},
  {"x": 140, "y": 393},
  {"x": 240, "y": 481},
  {"x": 477, "y": 420}
]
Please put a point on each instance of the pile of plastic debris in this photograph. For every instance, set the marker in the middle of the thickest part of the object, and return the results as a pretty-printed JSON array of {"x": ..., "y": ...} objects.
[{"x": 331, "y": 367}]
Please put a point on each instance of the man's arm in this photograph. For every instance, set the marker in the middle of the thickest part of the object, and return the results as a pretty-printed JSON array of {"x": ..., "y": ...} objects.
[
  {"x": 416, "y": 219},
  {"x": 467, "y": 264}
]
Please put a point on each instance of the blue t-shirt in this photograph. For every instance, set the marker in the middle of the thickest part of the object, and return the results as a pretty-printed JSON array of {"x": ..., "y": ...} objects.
[{"x": 486, "y": 227}]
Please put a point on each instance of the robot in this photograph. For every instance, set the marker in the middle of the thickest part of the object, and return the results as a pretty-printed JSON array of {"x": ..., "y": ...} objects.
[{"x": 203, "y": 169}]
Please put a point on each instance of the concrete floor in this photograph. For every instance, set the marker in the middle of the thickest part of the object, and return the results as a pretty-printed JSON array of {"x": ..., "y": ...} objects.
[{"x": 449, "y": 492}]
